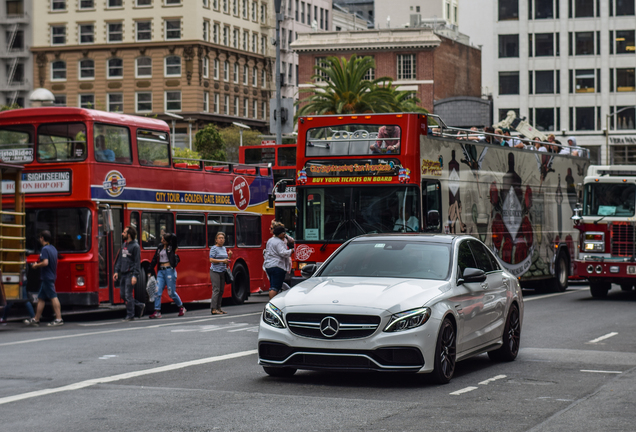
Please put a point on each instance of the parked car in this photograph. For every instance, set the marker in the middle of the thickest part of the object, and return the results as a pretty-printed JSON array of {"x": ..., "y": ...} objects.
[{"x": 398, "y": 303}]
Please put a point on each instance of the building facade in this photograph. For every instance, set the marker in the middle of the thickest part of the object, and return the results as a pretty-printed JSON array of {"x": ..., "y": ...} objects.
[
  {"x": 205, "y": 61},
  {"x": 343, "y": 20},
  {"x": 408, "y": 13},
  {"x": 431, "y": 65},
  {"x": 16, "y": 61},
  {"x": 568, "y": 66}
]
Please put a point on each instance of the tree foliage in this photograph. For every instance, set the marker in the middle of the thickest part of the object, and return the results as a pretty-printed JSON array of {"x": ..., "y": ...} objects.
[
  {"x": 178, "y": 152},
  {"x": 231, "y": 136},
  {"x": 209, "y": 144},
  {"x": 347, "y": 92}
]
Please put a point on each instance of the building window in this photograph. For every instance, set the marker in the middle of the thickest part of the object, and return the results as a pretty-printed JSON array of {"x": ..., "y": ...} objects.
[
  {"x": 406, "y": 66},
  {"x": 206, "y": 101},
  {"x": 264, "y": 110},
  {"x": 508, "y": 46},
  {"x": 206, "y": 30},
  {"x": 544, "y": 9},
  {"x": 18, "y": 75},
  {"x": 263, "y": 42},
  {"x": 584, "y": 43},
  {"x": 215, "y": 33},
  {"x": 115, "y": 68},
  {"x": 625, "y": 81},
  {"x": 216, "y": 69},
  {"x": 115, "y": 33},
  {"x": 58, "y": 70},
  {"x": 544, "y": 82},
  {"x": 255, "y": 109},
  {"x": 245, "y": 74},
  {"x": 58, "y": 35},
  {"x": 115, "y": 3},
  {"x": 625, "y": 43},
  {"x": 143, "y": 101},
  {"x": 58, "y": 5},
  {"x": 173, "y": 2},
  {"x": 544, "y": 44},
  {"x": 173, "y": 101},
  {"x": 144, "y": 30},
  {"x": 87, "y": 69},
  {"x": 235, "y": 8},
  {"x": 86, "y": 33},
  {"x": 226, "y": 105},
  {"x": 246, "y": 107},
  {"x": 584, "y": 80},
  {"x": 254, "y": 10},
  {"x": 86, "y": 4},
  {"x": 625, "y": 120},
  {"x": 173, "y": 66},
  {"x": 508, "y": 83},
  {"x": 290, "y": 74},
  {"x": 115, "y": 102},
  {"x": 205, "y": 64},
  {"x": 246, "y": 41},
  {"x": 583, "y": 8},
  {"x": 60, "y": 100},
  {"x": 263, "y": 78},
  {"x": 226, "y": 70},
  {"x": 235, "y": 73},
  {"x": 236, "y": 106},
  {"x": 143, "y": 67},
  {"x": 173, "y": 29},
  {"x": 254, "y": 43},
  {"x": 245, "y": 9},
  {"x": 226, "y": 32},
  {"x": 263, "y": 13},
  {"x": 544, "y": 119},
  {"x": 623, "y": 154},
  {"x": 216, "y": 103},
  {"x": 584, "y": 118},
  {"x": 142, "y": 3},
  {"x": 255, "y": 77},
  {"x": 508, "y": 10},
  {"x": 623, "y": 7},
  {"x": 87, "y": 101},
  {"x": 235, "y": 38},
  {"x": 326, "y": 19},
  {"x": 302, "y": 12}
]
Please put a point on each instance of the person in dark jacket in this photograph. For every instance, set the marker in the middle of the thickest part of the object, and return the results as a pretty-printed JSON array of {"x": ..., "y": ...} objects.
[
  {"x": 165, "y": 261},
  {"x": 128, "y": 269}
]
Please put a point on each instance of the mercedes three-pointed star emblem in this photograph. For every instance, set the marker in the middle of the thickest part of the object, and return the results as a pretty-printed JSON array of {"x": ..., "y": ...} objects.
[{"x": 329, "y": 327}]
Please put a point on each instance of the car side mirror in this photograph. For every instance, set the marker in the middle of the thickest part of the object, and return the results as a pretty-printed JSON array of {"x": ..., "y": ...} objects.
[
  {"x": 473, "y": 275},
  {"x": 309, "y": 270},
  {"x": 432, "y": 218}
]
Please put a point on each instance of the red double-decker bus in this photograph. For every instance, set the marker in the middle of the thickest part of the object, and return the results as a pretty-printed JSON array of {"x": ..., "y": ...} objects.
[
  {"x": 89, "y": 173},
  {"x": 379, "y": 173},
  {"x": 283, "y": 162}
]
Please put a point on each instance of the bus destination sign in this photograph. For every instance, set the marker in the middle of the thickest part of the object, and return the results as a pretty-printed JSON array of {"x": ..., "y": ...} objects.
[{"x": 41, "y": 182}]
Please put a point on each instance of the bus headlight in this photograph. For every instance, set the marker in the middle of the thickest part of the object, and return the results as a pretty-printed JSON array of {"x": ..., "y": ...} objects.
[{"x": 80, "y": 281}]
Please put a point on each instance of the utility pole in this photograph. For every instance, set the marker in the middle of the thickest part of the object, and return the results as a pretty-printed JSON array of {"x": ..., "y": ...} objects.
[{"x": 279, "y": 126}]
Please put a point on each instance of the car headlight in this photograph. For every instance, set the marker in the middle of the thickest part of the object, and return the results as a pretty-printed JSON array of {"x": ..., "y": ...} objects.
[
  {"x": 273, "y": 316},
  {"x": 408, "y": 319}
]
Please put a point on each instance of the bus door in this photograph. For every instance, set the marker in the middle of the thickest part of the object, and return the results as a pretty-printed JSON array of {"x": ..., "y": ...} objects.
[
  {"x": 432, "y": 205},
  {"x": 110, "y": 228}
]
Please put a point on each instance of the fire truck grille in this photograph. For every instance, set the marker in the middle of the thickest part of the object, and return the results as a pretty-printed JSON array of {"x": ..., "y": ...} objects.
[{"x": 622, "y": 239}]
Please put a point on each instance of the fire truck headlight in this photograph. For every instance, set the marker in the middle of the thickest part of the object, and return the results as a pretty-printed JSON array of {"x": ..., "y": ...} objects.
[
  {"x": 79, "y": 281},
  {"x": 594, "y": 247}
]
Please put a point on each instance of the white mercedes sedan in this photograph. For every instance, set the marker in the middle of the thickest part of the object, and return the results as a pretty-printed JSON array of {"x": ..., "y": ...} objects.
[{"x": 395, "y": 303}]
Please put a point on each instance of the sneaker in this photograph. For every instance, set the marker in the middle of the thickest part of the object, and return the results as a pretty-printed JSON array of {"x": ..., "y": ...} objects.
[
  {"x": 155, "y": 314},
  {"x": 128, "y": 319},
  {"x": 55, "y": 323},
  {"x": 182, "y": 311},
  {"x": 141, "y": 313},
  {"x": 31, "y": 322}
]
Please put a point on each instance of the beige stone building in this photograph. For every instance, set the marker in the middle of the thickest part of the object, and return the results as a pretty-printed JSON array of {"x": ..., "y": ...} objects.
[{"x": 203, "y": 60}]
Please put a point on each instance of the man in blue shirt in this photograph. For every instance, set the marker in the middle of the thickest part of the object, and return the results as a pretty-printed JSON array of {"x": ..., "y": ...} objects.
[
  {"x": 48, "y": 274},
  {"x": 102, "y": 154}
]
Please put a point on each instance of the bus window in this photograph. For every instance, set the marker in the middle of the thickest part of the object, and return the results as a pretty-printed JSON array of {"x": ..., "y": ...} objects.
[
  {"x": 134, "y": 220},
  {"x": 286, "y": 156},
  {"x": 116, "y": 143},
  {"x": 360, "y": 139},
  {"x": 248, "y": 230},
  {"x": 218, "y": 223},
  {"x": 16, "y": 143},
  {"x": 61, "y": 142},
  {"x": 432, "y": 201},
  {"x": 260, "y": 155},
  {"x": 153, "y": 226},
  {"x": 153, "y": 148},
  {"x": 191, "y": 230},
  {"x": 70, "y": 229}
]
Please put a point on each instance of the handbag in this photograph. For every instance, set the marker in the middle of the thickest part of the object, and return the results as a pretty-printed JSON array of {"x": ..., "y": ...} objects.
[{"x": 229, "y": 278}]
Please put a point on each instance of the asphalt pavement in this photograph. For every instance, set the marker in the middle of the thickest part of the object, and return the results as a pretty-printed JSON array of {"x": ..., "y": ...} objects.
[{"x": 576, "y": 371}]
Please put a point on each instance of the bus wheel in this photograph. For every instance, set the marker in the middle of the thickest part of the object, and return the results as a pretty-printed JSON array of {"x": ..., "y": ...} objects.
[
  {"x": 140, "y": 288},
  {"x": 561, "y": 274},
  {"x": 627, "y": 286},
  {"x": 599, "y": 289},
  {"x": 241, "y": 285}
]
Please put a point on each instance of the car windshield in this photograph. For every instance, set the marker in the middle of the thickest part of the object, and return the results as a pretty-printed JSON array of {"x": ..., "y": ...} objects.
[
  {"x": 609, "y": 199},
  {"x": 390, "y": 258}
]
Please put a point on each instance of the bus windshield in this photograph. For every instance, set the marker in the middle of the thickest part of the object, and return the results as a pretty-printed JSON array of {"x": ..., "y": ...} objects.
[
  {"x": 609, "y": 199},
  {"x": 16, "y": 143},
  {"x": 70, "y": 229},
  {"x": 353, "y": 139},
  {"x": 338, "y": 214}
]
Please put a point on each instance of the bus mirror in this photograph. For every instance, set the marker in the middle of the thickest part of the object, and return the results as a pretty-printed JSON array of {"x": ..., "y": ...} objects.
[
  {"x": 107, "y": 214},
  {"x": 432, "y": 218},
  {"x": 281, "y": 187}
]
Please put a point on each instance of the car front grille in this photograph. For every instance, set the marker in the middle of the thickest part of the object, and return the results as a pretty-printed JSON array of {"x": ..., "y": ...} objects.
[{"x": 349, "y": 326}]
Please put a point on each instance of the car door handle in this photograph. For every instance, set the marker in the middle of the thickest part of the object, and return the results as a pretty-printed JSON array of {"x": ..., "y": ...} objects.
[{"x": 484, "y": 286}]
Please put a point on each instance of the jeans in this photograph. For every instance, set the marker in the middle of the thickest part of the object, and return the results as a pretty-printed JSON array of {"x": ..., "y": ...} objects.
[
  {"x": 27, "y": 305},
  {"x": 127, "y": 288},
  {"x": 218, "y": 286},
  {"x": 167, "y": 277},
  {"x": 276, "y": 278}
]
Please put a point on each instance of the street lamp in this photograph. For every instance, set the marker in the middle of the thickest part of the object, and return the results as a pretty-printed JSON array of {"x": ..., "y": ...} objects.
[
  {"x": 241, "y": 126},
  {"x": 174, "y": 123},
  {"x": 607, "y": 117}
]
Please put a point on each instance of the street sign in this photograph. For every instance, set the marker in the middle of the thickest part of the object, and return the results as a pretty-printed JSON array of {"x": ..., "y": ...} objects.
[{"x": 268, "y": 142}]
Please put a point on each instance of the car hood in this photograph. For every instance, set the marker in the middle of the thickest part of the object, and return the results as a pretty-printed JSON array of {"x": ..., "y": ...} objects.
[{"x": 347, "y": 293}]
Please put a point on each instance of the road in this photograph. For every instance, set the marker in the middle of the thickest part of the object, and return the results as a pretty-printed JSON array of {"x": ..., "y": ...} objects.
[{"x": 576, "y": 371}]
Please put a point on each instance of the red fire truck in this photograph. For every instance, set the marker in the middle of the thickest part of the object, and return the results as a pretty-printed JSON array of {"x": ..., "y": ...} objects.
[
  {"x": 606, "y": 226},
  {"x": 379, "y": 173},
  {"x": 89, "y": 173}
]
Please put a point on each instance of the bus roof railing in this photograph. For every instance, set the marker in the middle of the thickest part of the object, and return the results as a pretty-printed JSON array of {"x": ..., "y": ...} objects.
[{"x": 231, "y": 166}]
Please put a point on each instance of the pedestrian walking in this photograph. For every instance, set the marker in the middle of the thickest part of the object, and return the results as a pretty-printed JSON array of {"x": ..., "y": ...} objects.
[
  {"x": 48, "y": 274},
  {"x": 127, "y": 269},
  {"x": 165, "y": 261},
  {"x": 276, "y": 260},
  {"x": 10, "y": 303},
  {"x": 219, "y": 260}
]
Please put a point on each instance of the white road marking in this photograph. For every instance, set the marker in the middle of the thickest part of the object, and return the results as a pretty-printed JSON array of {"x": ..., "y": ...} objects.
[
  {"x": 458, "y": 392},
  {"x": 243, "y": 329},
  {"x": 107, "y": 356},
  {"x": 180, "y": 322},
  {"x": 601, "y": 371},
  {"x": 124, "y": 376},
  {"x": 549, "y": 295},
  {"x": 607, "y": 336},
  {"x": 489, "y": 380},
  {"x": 209, "y": 328}
]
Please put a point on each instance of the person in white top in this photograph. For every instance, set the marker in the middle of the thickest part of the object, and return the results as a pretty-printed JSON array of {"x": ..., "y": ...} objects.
[
  {"x": 277, "y": 263},
  {"x": 411, "y": 225},
  {"x": 538, "y": 145},
  {"x": 570, "y": 151}
]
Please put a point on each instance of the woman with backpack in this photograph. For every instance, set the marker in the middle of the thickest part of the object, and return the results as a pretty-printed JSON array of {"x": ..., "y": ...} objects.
[
  {"x": 166, "y": 261},
  {"x": 219, "y": 260}
]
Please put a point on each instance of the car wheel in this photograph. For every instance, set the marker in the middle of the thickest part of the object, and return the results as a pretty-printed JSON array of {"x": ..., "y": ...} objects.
[
  {"x": 445, "y": 351},
  {"x": 511, "y": 338},
  {"x": 599, "y": 289},
  {"x": 241, "y": 284},
  {"x": 279, "y": 371}
]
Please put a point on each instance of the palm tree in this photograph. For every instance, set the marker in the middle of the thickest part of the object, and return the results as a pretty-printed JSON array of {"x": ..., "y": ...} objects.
[{"x": 347, "y": 92}]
